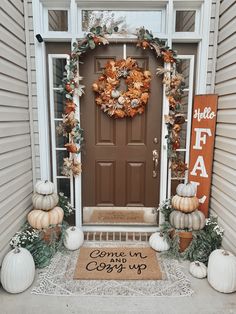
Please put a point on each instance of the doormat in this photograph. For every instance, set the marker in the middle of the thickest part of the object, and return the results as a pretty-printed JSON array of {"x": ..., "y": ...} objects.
[
  {"x": 57, "y": 278},
  {"x": 118, "y": 216},
  {"x": 119, "y": 263}
]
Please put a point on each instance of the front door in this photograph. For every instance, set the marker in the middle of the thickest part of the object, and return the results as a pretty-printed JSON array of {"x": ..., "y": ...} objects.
[{"x": 118, "y": 181}]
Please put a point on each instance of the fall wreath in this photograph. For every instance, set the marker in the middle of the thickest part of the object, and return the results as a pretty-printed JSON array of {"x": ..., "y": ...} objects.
[{"x": 128, "y": 103}]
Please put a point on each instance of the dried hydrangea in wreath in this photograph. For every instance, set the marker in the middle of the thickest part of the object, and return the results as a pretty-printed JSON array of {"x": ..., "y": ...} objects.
[{"x": 128, "y": 103}]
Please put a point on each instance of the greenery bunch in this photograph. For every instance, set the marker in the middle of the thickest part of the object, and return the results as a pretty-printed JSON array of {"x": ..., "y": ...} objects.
[
  {"x": 33, "y": 239},
  {"x": 204, "y": 241}
]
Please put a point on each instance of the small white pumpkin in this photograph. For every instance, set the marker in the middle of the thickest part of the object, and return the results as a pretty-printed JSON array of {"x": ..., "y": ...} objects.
[
  {"x": 121, "y": 100},
  {"x": 74, "y": 238},
  {"x": 115, "y": 94},
  {"x": 40, "y": 219},
  {"x": 222, "y": 271},
  {"x": 198, "y": 270},
  {"x": 45, "y": 202},
  {"x": 18, "y": 270},
  {"x": 186, "y": 190},
  {"x": 158, "y": 243},
  {"x": 44, "y": 187}
]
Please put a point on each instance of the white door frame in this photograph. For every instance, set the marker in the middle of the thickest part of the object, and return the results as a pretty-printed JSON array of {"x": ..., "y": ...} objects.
[{"x": 42, "y": 101}]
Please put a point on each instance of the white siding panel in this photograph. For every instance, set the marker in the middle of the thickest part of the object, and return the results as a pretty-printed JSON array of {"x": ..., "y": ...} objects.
[
  {"x": 224, "y": 172},
  {"x": 225, "y": 158},
  {"x": 223, "y": 195},
  {"x": 15, "y": 152}
]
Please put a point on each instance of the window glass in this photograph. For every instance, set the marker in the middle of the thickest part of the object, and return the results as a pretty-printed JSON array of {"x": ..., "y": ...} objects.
[
  {"x": 185, "y": 21},
  {"x": 126, "y": 21},
  {"x": 58, "y": 20}
]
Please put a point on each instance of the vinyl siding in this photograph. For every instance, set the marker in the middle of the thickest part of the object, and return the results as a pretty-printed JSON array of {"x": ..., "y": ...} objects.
[
  {"x": 223, "y": 198},
  {"x": 15, "y": 141}
]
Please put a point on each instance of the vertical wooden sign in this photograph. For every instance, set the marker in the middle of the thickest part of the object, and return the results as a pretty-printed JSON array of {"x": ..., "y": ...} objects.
[{"x": 202, "y": 146}]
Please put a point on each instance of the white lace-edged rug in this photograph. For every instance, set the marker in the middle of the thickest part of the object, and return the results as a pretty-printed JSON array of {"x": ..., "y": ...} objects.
[{"x": 57, "y": 278}]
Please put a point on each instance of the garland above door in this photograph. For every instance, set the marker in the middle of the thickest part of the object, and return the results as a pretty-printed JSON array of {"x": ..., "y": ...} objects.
[{"x": 71, "y": 87}]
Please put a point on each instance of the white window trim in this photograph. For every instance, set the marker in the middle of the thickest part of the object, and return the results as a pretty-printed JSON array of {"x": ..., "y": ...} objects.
[{"x": 42, "y": 102}]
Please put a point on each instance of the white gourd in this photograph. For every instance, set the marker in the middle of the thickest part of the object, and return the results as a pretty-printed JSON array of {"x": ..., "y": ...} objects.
[
  {"x": 186, "y": 190},
  {"x": 158, "y": 243},
  {"x": 44, "y": 187},
  {"x": 222, "y": 271},
  {"x": 45, "y": 202},
  {"x": 18, "y": 270},
  {"x": 198, "y": 270},
  {"x": 74, "y": 238}
]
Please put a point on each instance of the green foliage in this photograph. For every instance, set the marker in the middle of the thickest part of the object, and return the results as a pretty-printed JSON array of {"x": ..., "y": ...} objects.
[
  {"x": 65, "y": 204},
  {"x": 204, "y": 241},
  {"x": 33, "y": 240}
]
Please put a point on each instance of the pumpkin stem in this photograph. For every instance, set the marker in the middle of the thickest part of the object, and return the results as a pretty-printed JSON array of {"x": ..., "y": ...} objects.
[
  {"x": 197, "y": 263},
  {"x": 45, "y": 181},
  {"x": 161, "y": 234},
  {"x": 16, "y": 250},
  {"x": 225, "y": 253},
  {"x": 72, "y": 228}
]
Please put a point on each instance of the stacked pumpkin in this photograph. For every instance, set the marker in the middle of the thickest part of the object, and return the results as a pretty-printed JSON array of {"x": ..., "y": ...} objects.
[
  {"x": 45, "y": 212},
  {"x": 186, "y": 214}
]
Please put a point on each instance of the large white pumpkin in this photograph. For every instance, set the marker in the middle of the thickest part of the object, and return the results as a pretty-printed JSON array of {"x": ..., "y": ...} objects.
[
  {"x": 186, "y": 190},
  {"x": 45, "y": 202},
  {"x": 198, "y": 270},
  {"x": 74, "y": 238},
  {"x": 222, "y": 271},
  {"x": 40, "y": 219},
  {"x": 44, "y": 187},
  {"x": 18, "y": 270},
  {"x": 158, "y": 243}
]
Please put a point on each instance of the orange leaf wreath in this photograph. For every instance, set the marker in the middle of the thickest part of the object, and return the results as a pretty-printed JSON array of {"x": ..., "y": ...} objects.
[{"x": 120, "y": 104}]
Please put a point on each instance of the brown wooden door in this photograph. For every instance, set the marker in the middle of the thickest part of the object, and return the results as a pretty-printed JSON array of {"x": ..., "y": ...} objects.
[{"x": 117, "y": 158}]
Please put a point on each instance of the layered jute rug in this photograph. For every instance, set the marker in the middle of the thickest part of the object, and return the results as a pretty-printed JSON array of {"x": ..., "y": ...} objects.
[{"x": 58, "y": 278}]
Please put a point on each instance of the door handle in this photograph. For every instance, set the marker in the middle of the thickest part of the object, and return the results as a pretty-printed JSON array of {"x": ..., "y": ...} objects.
[{"x": 155, "y": 157}]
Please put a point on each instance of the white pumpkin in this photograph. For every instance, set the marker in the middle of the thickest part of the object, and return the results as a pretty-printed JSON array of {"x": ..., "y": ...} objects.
[
  {"x": 40, "y": 219},
  {"x": 45, "y": 202},
  {"x": 18, "y": 270},
  {"x": 194, "y": 221},
  {"x": 158, "y": 243},
  {"x": 198, "y": 270},
  {"x": 74, "y": 238},
  {"x": 150, "y": 215},
  {"x": 186, "y": 190},
  {"x": 222, "y": 271},
  {"x": 115, "y": 94},
  {"x": 44, "y": 187}
]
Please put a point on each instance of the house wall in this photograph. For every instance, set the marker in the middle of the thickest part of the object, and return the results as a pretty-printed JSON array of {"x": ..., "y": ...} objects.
[
  {"x": 16, "y": 175},
  {"x": 223, "y": 196}
]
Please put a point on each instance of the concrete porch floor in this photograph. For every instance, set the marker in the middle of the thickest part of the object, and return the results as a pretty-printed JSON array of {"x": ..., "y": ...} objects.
[{"x": 205, "y": 300}]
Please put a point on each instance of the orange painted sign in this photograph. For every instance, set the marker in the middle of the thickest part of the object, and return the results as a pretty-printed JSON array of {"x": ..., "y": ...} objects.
[{"x": 202, "y": 146}]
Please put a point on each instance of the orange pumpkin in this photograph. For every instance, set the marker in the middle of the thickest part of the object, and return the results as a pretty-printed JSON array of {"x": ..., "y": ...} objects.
[{"x": 185, "y": 204}]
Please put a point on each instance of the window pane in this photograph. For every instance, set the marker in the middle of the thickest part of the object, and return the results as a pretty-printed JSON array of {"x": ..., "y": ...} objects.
[
  {"x": 60, "y": 155},
  {"x": 58, "y": 104},
  {"x": 63, "y": 185},
  {"x": 126, "y": 21},
  {"x": 183, "y": 67},
  {"x": 58, "y": 70},
  {"x": 185, "y": 21},
  {"x": 58, "y": 20},
  {"x": 60, "y": 140}
]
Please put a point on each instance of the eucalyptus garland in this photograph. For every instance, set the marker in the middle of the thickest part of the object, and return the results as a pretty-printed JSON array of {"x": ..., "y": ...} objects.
[
  {"x": 204, "y": 241},
  {"x": 71, "y": 87}
]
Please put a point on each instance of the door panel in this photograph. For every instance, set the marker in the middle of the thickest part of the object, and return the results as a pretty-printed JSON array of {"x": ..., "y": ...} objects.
[{"x": 117, "y": 160}]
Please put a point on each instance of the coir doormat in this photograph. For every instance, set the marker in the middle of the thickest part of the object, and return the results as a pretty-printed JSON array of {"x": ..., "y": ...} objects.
[{"x": 117, "y": 263}]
